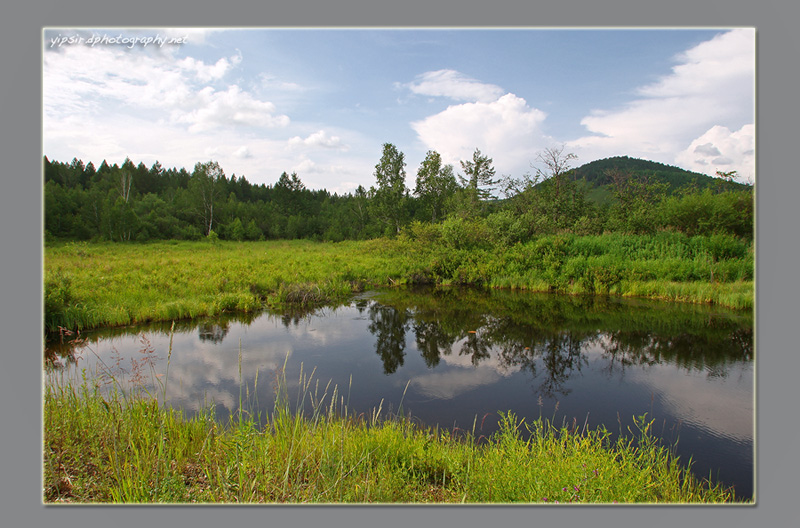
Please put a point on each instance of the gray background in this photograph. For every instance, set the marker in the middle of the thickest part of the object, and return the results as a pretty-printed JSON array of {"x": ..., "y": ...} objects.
[{"x": 778, "y": 47}]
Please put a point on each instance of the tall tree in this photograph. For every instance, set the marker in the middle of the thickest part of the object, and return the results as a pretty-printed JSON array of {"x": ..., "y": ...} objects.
[
  {"x": 288, "y": 194},
  {"x": 389, "y": 199},
  {"x": 359, "y": 208},
  {"x": 556, "y": 165},
  {"x": 205, "y": 186},
  {"x": 478, "y": 178},
  {"x": 435, "y": 184}
]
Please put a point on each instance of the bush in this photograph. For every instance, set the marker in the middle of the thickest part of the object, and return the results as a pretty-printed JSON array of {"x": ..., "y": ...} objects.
[
  {"x": 725, "y": 247},
  {"x": 58, "y": 296},
  {"x": 460, "y": 233}
]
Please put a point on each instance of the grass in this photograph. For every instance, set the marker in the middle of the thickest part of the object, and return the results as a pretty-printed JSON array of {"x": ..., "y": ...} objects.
[
  {"x": 106, "y": 284},
  {"x": 122, "y": 445}
]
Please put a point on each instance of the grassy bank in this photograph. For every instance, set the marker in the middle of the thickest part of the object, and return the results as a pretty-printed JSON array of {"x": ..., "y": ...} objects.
[
  {"x": 127, "y": 447},
  {"x": 92, "y": 285}
]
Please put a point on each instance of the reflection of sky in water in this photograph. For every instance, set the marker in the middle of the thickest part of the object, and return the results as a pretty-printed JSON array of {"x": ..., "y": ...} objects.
[{"x": 336, "y": 344}]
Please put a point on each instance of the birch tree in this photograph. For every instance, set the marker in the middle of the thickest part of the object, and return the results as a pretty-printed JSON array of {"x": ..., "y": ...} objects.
[{"x": 206, "y": 190}]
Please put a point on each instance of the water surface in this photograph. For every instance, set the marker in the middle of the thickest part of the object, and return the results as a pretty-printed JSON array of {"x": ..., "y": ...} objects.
[{"x": 453, "y": 358}]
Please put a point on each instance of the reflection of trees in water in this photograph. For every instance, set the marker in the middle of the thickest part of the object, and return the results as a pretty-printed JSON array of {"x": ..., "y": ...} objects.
[
  {"x": 556, "y": 354},
  {"x": 213, "y": 333},
  {"x": 389, "y": 326},
  {"x": 559, "y": 353},
  {"x": 477, "y": 346},
  {"x": 712, "y": 351},
  {"x": 627, "y": 349},
  {"x": 432, "y": 341},
  {"x": 549, "y": 336}
]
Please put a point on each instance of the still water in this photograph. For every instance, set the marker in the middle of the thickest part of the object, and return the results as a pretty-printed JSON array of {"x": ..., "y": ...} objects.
[{"x": 453, "y": 358}]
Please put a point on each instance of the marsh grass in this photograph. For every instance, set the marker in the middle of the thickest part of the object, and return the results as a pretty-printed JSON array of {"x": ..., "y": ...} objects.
[
  {"x": 106, "y": 284},
  {"x": 113, "y": 446}
]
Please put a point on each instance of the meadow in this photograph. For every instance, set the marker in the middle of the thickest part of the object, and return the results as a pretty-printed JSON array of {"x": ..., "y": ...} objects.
[
  {"x": 90, "y": 285},
  {"x": 127, "y": 445}
]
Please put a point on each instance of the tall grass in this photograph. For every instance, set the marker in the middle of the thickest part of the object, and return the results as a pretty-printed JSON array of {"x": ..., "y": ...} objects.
[
  {"x": 105, "y": 284},
  {"x": 111, "y": 446}
]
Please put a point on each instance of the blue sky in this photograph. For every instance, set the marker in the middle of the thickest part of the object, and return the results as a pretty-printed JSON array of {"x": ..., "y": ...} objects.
[{"x": 321, "y": 102}]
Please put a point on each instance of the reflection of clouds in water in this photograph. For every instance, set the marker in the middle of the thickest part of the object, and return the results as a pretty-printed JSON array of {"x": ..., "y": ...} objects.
[
  {"x": 326, "y": 327},
  {"x": 210, "y": 397},
  {"x": 460, "y": 375},
  {"x": 725, "y": 409},
  {"x": 207, "y": 369},
  {"x": 447, "y": 385}
]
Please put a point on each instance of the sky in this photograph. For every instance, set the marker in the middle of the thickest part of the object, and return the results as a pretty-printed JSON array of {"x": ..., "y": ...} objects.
[{"x": 322, "y": 102}]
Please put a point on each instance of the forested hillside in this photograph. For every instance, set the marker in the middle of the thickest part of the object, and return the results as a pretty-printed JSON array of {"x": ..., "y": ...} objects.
[{"x": 131, "y": 202}]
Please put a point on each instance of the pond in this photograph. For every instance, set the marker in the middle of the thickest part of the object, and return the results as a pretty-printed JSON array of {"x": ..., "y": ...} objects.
[{"x": 453, "y": 358}]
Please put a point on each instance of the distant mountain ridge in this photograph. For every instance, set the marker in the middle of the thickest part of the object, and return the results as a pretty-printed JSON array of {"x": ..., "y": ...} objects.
[
  {"x": 594, "y": 172},
  {"x": 599, "y": 185}
]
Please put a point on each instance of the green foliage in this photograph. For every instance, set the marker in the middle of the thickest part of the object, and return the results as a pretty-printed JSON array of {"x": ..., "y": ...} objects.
[
  {"x": 389, "y": 198},
  {"x": 58, "y": 297},
  {"x": 435, "y": 185},
  {"x": 90, "y": 285},
  {"x": 130, "y": 202},
  {"x": 707, "y": 213},
  {"x": 124, "y": 447},
  {"x": 478, "y": 180}
]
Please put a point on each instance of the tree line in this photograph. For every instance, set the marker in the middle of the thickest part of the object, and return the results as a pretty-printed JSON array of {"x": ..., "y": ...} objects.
[{"x": 131, "y": 202}]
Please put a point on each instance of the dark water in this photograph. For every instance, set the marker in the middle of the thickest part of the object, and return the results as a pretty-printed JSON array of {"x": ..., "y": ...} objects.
[{"x": 454, "y": 358}]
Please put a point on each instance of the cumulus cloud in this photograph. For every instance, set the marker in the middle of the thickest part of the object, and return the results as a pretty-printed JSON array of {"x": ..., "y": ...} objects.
[
  {"x": 231, "y": 107},
  {"x": 506, "y": 129},
  {"x": 706, "y": 149},
  {"x": 108, "y": 82},
  {"x": 712, "y": 85},
  {"x": 319, "y": 139},
  {"x": 205, "y": 72},
  {"x": 454, "y": 85},
  {"x": 720, "y": 149},
  {"x": 243, "y": 152}
]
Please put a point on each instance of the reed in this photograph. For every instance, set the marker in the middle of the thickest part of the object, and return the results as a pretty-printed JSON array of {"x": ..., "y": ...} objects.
[{"x": 106, "y": 446}]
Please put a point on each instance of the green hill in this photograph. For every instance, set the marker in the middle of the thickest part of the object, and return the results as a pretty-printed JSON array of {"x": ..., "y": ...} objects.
[{"x": 599, "y": 184}]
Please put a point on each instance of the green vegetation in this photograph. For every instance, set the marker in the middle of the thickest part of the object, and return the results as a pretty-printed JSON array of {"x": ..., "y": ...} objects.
[
  {"x": 124, "y": 446},
  {"x": 619, "y": 226},
  {"x": 624, "y": 195},
  {"x": 126, "y": 244},
  {"x": 88, "y": 285}
]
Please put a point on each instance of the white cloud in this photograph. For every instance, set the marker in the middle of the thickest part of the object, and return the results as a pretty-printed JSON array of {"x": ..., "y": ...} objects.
[
  {"x": 206, "y": 73},
  {"x": 243, "y": 152},
  {"x": 455, "y": 85},
  {"x": 232, "y": 107},
  {"x": 111, "y": 103},
  {"x": 711, "y": 86},
  {"x": 719, "y": 149},
  {"x": 507, "y": 130},
  {"x": 107, "y": 82},
  {"x": 319, "y": 139}
]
